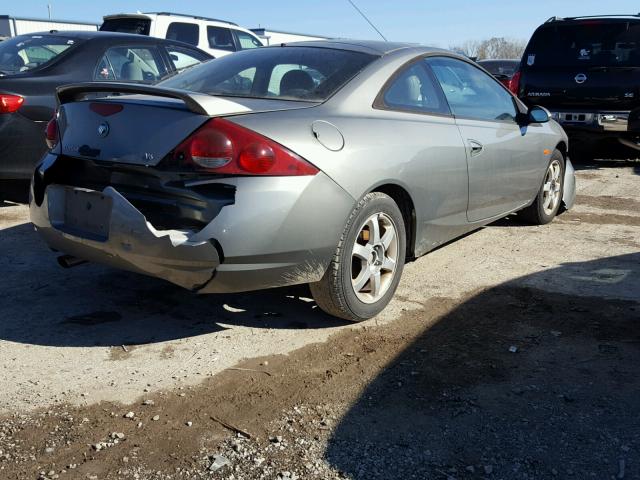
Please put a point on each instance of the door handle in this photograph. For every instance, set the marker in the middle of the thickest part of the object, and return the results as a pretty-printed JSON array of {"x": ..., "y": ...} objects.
[{"x": 476, "y": 147}]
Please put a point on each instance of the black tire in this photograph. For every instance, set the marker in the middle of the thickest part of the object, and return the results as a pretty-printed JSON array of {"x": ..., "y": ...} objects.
[
  {"x": 535, "y": 213},
  {"x": 334, "y": 293}
]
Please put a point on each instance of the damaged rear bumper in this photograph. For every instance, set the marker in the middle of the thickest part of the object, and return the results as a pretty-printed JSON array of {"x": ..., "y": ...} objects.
[
  {"x": 276, "y": 231},
  {"x": 104, "y": 227}
]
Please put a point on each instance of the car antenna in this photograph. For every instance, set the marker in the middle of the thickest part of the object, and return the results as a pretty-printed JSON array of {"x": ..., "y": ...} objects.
[{"x": 368, "y": 21}]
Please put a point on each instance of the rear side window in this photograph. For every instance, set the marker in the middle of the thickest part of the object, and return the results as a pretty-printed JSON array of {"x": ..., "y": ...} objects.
[
  {"x": 131, "y": 64},
  {"x": 140, "y": 26},
  {"x": 413, "y": 89},
  {"x": 291, "y": 73},
  {"x": 183, "y": 32},
  {"x": 247, "y": 41},
  {"x": 470, "y": 92},
  {"x": 28, "y": 52},
  {"x": 182, "y": 57},
  {"x": 220, "y": 38},
  {"x": 595, "y": 43}
]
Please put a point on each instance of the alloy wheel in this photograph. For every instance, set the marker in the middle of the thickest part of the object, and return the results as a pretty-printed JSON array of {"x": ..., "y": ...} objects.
[{"x": 374, "y": 258}]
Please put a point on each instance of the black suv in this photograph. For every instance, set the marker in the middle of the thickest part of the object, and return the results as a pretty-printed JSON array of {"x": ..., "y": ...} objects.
[{"x": 586, "y": 71}]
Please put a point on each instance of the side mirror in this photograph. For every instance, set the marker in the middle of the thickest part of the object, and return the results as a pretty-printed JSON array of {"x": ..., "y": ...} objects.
[{"x": 538, "y": 114}]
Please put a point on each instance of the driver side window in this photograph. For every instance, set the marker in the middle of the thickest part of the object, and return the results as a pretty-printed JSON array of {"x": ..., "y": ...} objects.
[{"x": 472, "y": 93}]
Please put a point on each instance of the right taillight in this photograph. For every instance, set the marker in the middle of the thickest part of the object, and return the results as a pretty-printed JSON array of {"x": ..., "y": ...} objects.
[
  {"x": 51, "y": 132},
  {"x": 10, "y": 103},
  {"x": 514, "y": 83},
  {"x": 225, "y": 148}
]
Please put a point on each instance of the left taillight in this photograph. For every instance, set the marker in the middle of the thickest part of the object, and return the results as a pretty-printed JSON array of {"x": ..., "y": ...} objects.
[
  {"x": 226, "y": 148},
  {"x": 10, "y": 103},
  {"x": 51, "y": 132},
  {"x": 513, "y": 84}
]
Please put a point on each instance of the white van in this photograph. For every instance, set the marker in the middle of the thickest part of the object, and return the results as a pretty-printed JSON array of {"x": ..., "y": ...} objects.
[{"x": 218, "y": 37}]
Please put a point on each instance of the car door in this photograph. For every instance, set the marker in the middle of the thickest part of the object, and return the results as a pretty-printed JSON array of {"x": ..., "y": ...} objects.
[
  {"x": 420, "y": 128},
  {"x": 501, "y": 158}
]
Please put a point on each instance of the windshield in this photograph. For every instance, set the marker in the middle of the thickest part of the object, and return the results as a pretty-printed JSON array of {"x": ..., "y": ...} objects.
[
  {"x": 593, "y": 43},
  {"x": 28, "y": 52},
  {"x": 289, "y": 73}
]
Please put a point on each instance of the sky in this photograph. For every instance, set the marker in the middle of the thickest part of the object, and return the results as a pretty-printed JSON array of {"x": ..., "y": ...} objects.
[{"x": 441, "y": 23}]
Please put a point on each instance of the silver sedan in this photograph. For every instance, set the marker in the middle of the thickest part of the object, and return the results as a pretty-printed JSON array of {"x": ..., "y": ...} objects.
[{"x": 329, "y": 163}]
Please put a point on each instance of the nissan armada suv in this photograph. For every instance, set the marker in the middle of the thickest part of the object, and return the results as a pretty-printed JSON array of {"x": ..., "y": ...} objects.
[{"x": 586, "y": 71}]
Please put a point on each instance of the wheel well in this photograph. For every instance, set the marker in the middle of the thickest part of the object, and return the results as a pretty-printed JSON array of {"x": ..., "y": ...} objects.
[
  {"x": 405, "y": 203},
  {"x": 563, "y": 148}
]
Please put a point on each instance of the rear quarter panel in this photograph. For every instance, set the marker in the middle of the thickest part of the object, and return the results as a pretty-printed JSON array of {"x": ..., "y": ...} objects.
[{"x": 422, "y": 154}]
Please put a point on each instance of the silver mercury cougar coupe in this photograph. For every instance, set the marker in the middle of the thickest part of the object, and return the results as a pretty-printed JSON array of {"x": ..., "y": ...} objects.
[{"x": 329, "y": 163}]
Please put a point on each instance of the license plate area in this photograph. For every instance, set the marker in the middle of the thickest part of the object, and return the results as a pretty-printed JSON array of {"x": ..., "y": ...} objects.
[
  {"x": 87, "y": 214},
  {"x": 569, "y": 117}
]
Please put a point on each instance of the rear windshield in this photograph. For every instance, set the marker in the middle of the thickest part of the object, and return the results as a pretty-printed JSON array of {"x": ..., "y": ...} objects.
[
  {"x": 289, "y": 73},
  {"x": 140, "y": 26},
  {"x": 594, "y": 43},
  {"x": 28, "y": 52},
  {"x": 500, "y": 67}
]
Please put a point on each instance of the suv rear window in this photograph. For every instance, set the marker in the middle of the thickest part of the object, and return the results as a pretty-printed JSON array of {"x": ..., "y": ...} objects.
[
  {"x": 290, "y": 73},
  {"x": 28, "y": 52},
  {"x": 593, "y": 43},
  {"x": 141, "y": 26}
]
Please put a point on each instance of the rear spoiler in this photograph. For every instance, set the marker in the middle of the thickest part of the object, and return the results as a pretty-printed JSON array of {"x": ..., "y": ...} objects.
[{"x": 73, "y": 92}]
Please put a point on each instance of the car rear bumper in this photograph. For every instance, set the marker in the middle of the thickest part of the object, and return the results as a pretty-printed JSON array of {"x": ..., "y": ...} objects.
[
  {"x": 596, "y": 121},
  {"x": 279, "y": 231}
]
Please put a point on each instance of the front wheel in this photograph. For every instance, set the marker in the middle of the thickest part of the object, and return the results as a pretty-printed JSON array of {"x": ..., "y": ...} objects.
[
  {"x": 368, "y": 262},
  {"x": 547, "y": 202}
]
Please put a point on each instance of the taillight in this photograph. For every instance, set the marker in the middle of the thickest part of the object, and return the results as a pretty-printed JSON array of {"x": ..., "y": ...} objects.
[
  {"x": 223, "y": 147},
  {"x": 10, "y": 103},
  {"x": 51, "y": 132},
  {"x": 514, "y": 83}
]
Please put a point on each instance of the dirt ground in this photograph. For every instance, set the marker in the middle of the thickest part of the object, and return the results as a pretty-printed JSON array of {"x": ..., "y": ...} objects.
[{"x": 511, "y": 353}]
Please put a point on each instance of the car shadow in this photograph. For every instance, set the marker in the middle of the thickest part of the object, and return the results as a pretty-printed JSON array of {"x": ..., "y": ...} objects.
[
  {"x": 13, "y": 191},
  {"x": 599, "y": 164},
  {"x": 93, "y": 305},
  {"x": 535, "y": 378}
]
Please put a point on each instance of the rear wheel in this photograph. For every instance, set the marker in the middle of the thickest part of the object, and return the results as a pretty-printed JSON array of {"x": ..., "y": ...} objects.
[
  {"x": 368, "y": 262},
  {"x": 547, "y": 203}
]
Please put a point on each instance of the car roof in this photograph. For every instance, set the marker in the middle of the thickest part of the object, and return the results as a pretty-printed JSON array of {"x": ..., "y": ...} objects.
[
  {"x": 365, "y": 46},
  {"x": 99, "y": 35}
]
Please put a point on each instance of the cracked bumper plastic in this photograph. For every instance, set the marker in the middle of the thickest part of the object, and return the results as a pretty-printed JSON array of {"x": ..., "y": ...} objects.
[{"x": 104, "y": 227}]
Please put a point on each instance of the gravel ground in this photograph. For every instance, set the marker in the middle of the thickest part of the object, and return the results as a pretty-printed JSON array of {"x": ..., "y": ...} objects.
[{"x": 511, "y": 353}]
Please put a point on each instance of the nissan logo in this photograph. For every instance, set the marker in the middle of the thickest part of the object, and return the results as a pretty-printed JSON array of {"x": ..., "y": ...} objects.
[
  {"x": 581, "y": 78},
  {"x": 103, "y": 129}
]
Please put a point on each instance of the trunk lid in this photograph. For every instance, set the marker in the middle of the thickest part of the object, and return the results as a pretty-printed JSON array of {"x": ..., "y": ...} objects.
[{"x": 142, "y": 127}]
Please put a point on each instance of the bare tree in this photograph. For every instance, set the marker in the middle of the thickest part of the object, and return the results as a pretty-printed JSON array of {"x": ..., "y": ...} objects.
[
  {"x": 495, "y": 47},
  {"x": 469, "y": 48}
]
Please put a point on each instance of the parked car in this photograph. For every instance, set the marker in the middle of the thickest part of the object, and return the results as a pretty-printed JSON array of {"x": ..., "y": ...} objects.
[
  {"x": 324, "y": 162},
  {"x": 32, "y": 66},
  {"x": 502, "y": 69},
  {"x": 586, "y": 70},
  {"x": 218, "y": 37}
]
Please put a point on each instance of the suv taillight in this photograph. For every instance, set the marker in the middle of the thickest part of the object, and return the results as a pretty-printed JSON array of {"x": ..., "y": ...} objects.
[
  {"x": 514, "y": 83},
  {"x": 51, "y": 132},
  {"x": 223, "y": 147},
  {"x": 10, "y": 103}
]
